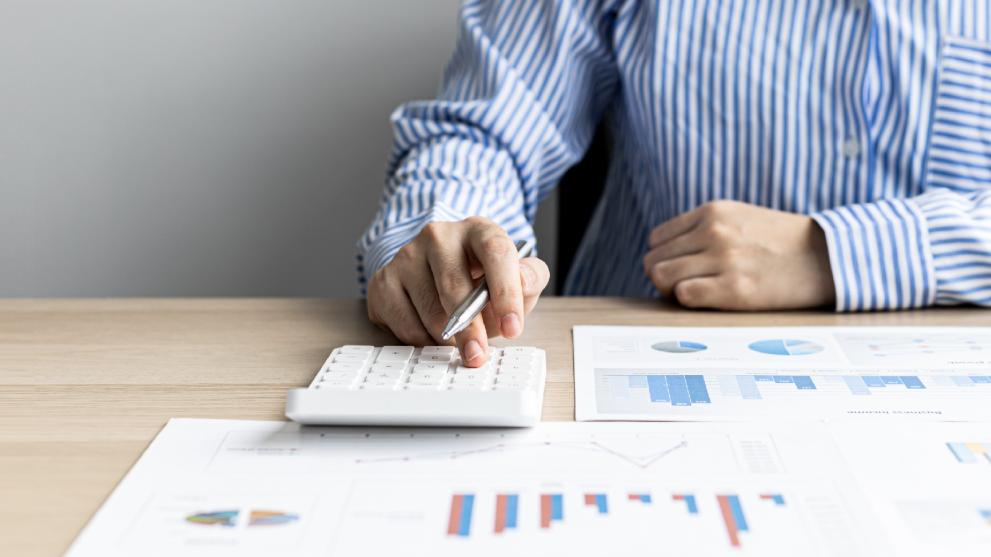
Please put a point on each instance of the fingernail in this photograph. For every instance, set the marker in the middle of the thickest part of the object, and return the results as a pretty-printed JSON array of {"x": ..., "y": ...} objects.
[
  {"x": 511, "y": 326},
  {"x": 472, "y": 350}
]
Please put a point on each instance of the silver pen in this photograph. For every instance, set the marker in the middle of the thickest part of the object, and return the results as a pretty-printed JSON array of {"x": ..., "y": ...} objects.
[{"x": 469, "y": 309}]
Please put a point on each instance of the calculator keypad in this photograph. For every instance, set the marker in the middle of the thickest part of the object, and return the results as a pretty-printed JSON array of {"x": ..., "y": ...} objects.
[{"x": 355, "y": 367}]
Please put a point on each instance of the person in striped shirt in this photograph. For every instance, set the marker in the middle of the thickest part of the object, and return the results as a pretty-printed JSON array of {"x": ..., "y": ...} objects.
[{"x": 767, "y": 154}]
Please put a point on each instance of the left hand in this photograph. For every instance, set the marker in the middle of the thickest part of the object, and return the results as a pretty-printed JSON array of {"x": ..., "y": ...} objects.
[{"x": 737, "y": 256}]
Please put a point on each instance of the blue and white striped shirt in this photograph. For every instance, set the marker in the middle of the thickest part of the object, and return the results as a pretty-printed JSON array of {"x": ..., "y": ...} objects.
[{"x": 872, "y": 116}]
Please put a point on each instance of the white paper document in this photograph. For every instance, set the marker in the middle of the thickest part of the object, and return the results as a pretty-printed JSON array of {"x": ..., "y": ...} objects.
[
  {"x": 214, "y": 487},
  {"x": 929, "y": 484},
  {"x": 699, "y": 374}
]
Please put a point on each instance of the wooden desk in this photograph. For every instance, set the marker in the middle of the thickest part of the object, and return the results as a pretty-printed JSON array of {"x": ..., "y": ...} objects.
[{"x": 86, "y": 384}]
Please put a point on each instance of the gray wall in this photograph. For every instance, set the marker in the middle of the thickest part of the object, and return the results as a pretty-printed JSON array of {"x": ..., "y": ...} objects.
[{"x": 190, "y": 147}]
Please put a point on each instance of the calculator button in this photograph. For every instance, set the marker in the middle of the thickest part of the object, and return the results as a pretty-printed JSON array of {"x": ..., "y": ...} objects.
[
  {"x": 426, "y": 376},
  {"x": 378, "y": 385},
  {"x": 339, "y": 375},
  {"x": 442, "y": 350},
  {"x": 511, "y": 368},
  {"x": 519, "y": 350},
  {"x": 357, "y": 349},
  {"x": 484, "y": 368},
  {"x": 388, "y": 366},
  {"x": 395, "y": 354},
  {"x": 345, "y": 366},
  {"x": 440, "y": 358},
  {"x": 384, "y": 375},
  {"x": 425, "y": 368},
  {"x": 517, "y": 360},
  {"x": 513, "y": 378},
  {"x": 339, "y": 357},
  {"x": 470, "y": 377}
]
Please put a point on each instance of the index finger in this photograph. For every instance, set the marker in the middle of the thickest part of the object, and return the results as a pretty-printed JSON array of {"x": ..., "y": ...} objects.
[
  {"x": 674, "y": 227},
  {"x": 497, "y": 254}
]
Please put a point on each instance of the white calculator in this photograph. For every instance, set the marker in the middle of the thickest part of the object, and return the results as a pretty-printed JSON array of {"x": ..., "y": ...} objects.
[{"x": 429, "y": 386}]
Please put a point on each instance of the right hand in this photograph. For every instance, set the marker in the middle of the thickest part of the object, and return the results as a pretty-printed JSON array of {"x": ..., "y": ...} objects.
[{"x": 414, "y": 294}]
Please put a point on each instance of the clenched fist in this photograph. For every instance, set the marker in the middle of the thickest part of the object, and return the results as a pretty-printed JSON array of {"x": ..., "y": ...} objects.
[
  {"x": 731, "y": 255},
  {"x": 414, "y": 294}
]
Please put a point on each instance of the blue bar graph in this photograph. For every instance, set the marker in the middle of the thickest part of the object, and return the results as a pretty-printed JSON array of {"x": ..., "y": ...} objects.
[
  {"x": 678, "y": 390},
  {"x": 696, "y": 388},
  {"x": 689, "y": 500},
  {"x": 872, "y": 381},
  {"x": 734, "y": 505},
  {"x": 748, "y": 387},
  {"x": 801, "y": 382},
  {"x": 557, "y": 507},
  {"x": 658, "y": 386},
  {"x": 686, "y": 390},
  {"x": 857, "y": 385},
  {"x": 512, "y": 510},
  {"x": 777, "y": 498},
  {"x": 962, "y": 381},
  {"x": 862, "y": 384},
  {"x": 912, "y": 382},
  {"x": 599, "y": 501},
  {"x": 467, "y": 503}
]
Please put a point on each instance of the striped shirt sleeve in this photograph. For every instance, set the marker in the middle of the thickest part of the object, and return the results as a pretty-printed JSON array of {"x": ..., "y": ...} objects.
[
  {"x": 519, "y": 101},
  {"x": 934, "y": 248}
]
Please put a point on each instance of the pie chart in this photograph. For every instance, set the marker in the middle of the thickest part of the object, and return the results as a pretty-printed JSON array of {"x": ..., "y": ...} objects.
[
  {"x": 678, "y": 346},
  {"x": 786, "y": 347},
  {"x": 214, "y": 518},
  {"x": 271, "y": 518}
]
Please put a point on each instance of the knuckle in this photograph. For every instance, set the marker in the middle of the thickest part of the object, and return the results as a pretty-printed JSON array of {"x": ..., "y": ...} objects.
[
  {"x": 406, "y": 254},
  {"x": 497, "y": 246},
  {"x": 733, "y": 258},
  {"x": 504, "y": 293},
  {"x": 451, "y": 282},
  {"x": 688, "y": 294},
  {"x": 433, "y": 232}
]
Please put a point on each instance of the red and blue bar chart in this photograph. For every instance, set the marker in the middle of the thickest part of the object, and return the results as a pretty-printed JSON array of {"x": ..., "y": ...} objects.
[
  {"x": 599, "y": 501},
  {"x": 459, "y": 521}
]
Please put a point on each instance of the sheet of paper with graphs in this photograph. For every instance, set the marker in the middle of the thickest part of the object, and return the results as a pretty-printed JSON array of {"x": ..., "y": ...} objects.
[
  {"x": 693, "y": 374},
  {"x": 224, "y": 488}
]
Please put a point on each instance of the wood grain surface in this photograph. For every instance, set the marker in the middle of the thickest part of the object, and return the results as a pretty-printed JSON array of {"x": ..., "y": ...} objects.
[{"x": 85, "y": 385}]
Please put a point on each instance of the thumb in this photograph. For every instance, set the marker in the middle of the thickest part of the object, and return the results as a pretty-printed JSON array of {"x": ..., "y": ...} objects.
[{"x": 534, "y": 276}]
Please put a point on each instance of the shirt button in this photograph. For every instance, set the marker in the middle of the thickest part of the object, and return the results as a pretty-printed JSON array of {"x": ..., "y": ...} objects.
[
  {"x": 857, "y": 4},
  {"x": 851, "y": 147}
]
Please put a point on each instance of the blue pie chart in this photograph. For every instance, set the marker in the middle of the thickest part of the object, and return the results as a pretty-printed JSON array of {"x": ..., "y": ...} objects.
[
  {"x": 786, "y": 347},
  {"x": 678, "y": 346}
]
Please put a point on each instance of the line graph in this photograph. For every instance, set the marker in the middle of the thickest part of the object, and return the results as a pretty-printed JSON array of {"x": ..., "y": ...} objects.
[{"x": 641, "y": 461}]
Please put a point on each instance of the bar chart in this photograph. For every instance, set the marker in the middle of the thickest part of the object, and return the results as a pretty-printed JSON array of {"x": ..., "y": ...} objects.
[
  {"x": 599, "y": 501},
  {"x": 726, "y": 509},
  {"x": 747, "y": 373},
  {"x": 459, "y": 521},
  {"x": 641, "y": 393},
  {"x": 507, "y": 510},
  {"x": 551, "y": 509}
]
